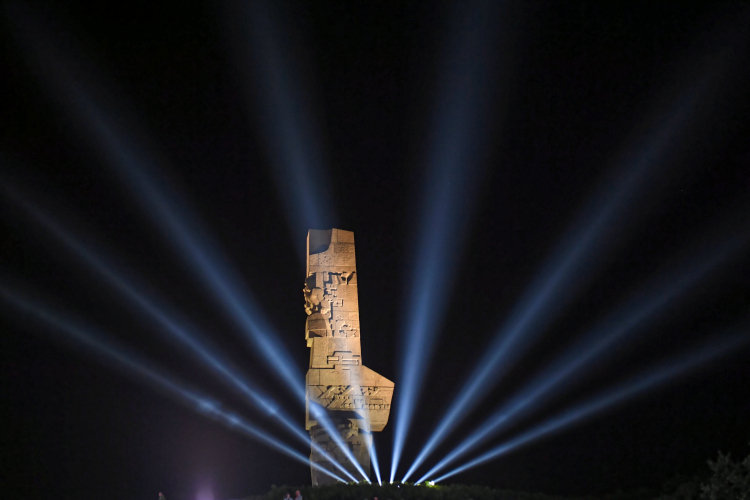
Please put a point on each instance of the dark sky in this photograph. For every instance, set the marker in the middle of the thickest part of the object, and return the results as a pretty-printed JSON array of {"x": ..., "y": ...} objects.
[{"x": 577, "y": 88}]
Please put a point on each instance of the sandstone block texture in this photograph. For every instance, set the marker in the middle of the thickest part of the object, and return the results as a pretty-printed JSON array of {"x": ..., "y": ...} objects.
[{"x": 356, "y": 399}]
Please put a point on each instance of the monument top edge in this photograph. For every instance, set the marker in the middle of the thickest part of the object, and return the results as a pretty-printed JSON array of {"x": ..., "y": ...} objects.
[
  {"x": 311, "y": 230},
  {"x": 318, "y": 238}
]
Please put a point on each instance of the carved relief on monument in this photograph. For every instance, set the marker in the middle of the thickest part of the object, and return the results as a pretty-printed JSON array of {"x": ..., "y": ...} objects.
[
  {"x": 331, "y": 301},
  {"x": 356, "y": 398}
]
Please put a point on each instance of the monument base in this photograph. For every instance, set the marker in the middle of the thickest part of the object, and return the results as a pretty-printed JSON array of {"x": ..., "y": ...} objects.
[{"x": 357, "y": 439}]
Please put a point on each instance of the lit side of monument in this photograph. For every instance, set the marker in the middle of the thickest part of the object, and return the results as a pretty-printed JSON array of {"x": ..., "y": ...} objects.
[{"x": 357, "y": 399}]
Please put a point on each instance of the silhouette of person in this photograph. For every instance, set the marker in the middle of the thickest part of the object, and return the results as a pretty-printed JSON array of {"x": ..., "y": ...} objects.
[
  {"x": 161, "y": 496},
  {"x": 298, "y": 495}
]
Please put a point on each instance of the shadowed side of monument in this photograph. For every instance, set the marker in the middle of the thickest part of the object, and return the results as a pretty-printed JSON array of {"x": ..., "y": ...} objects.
[{"x": 356, "y": 399}]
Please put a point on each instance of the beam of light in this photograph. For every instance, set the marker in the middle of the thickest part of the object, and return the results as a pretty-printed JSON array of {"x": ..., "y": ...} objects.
[
  {"x": 188, "y": 238},
  {"x": 103, "y": 346},
  {"x": 371, "y": 449},
  {"x": 365, "y": 413},
  {"x": 216, "y": 276},
  {"x": 285, "y": 117},
  {"x": 132, "y": 162},
  {"x": 321, "y": 416},
  {"x": 637, "y": 385},
  {"x": 229, "y": 294},
  {"x": 177, "y": 329},
  {"x": 374, "y": 460},
  {"x": 193, "y": 244},
  {"x": 570, "y": 264},
  {"x": 454, "y": 167},
  {"x": 602, "y": 338}
]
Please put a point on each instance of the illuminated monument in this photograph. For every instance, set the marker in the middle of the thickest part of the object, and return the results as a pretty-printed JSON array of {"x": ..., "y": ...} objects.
[{"x": 357, "y": 399}]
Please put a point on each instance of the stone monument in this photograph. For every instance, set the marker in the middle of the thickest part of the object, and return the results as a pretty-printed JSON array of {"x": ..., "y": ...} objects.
[{"x": 356, "y": 399}]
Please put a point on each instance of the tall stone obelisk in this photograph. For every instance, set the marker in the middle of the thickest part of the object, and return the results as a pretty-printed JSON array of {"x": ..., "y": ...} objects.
[{"x": 356, "y": 399}]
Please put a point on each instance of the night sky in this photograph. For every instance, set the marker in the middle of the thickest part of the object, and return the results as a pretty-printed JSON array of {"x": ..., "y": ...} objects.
[{"x": 573, "y": 96}]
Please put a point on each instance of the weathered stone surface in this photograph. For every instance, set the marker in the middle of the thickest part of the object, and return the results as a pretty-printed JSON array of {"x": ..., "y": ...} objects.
[{"x": 357, "y": 399}]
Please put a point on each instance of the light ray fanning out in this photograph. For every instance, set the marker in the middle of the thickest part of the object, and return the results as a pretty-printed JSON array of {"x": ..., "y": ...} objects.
[
  {"x": 96, "y": 342},
  {"x": 365, "y": 413},
  {"x": 454, "y": 167},
  {"x": 375, "y": 464},
  {"x": 264, "y": 56},
  {"x": 122, "y": 152},
  {"x": 321, "y": 416},
  {"x": 227, "y": 291},
  {"x": 609, "y": 333},
  {"x": 573, "y": 260},
  {"x": 175, "y": 328},
  {"x": 187, "y": 237},
  {"x": 229, "y": 294},
  {"x": 178, "y": 330},
  {"x": 643, "y": 383}
]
